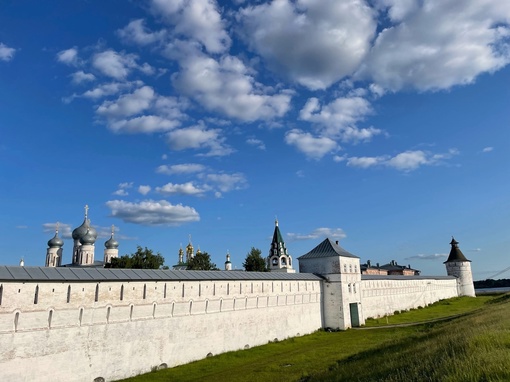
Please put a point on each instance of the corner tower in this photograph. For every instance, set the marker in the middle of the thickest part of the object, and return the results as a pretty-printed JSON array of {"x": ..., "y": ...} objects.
[
  {"x": 279, "y": 260},
  {"x": 458, "y": 266}
]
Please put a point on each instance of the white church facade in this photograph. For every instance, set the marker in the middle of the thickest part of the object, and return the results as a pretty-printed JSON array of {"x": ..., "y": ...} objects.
[{"x": 115, "y": 323}]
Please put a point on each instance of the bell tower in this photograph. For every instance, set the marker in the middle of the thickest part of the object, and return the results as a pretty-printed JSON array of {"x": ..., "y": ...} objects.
[{"x": 279, "y": 260}]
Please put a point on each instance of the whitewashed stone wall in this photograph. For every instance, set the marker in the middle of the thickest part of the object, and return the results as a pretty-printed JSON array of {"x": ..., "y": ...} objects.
[
  {"x": 383, "y": 295},
  {"x": 80, "y": 331}
]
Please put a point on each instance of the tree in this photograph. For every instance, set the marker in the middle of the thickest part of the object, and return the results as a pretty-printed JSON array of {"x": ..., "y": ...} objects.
[
  {"x": 201, "y": 262},
  {"x": 254, "y": 262},
  {"x": 141, "y": 259}
]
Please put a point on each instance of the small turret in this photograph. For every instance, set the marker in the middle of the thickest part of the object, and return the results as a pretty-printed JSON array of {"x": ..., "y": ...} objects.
[
  {"x": 228, "y": 264},
  {"x": 458, "y": 266},
  {"x": 111, "y": 248},
  {"x": 54, "y": 251}
]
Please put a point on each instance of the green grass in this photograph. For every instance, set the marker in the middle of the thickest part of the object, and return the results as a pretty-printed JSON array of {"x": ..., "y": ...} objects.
[
  {"x": 474, "y": 347},
  {"x": 440, "y": 309}
]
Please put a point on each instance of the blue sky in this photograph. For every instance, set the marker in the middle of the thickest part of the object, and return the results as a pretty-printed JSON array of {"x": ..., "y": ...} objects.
[{"x": 382, "y": 124}]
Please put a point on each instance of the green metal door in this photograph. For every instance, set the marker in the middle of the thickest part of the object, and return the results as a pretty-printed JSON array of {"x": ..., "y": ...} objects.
[{"x": 353, "y": 307}]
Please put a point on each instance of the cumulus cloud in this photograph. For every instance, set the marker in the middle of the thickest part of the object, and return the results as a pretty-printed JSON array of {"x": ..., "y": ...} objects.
[
  {"x": 118, "y": 65},
  {"x": 80, "y": 77},
  {"x": 406, "y": 161},
  {"x": 199, "y": 137},
  {"x": 136, "y": 32},
  {"x": 315, "y": 43},
  {"x": 184, "y": 168},
  {"x": 152, "y": 212},
  {"x": 313, "y": 147},
  {"x": 318, "y": 233},
  {"x": 108, "y": 89},
  {"x": 225, "y": 182},
  {"x": 436, "y": 45},
  {"x": 69, "y": 56},
  {"x": 142, "y": 111},
  {"x": 122, "y": 189},
  {"x": 434, "y": 256},
  {"x": 198, "y": 20},
  {"x": 144, "y": 190},
  {"x": 6, "y": 53},
  {"x": 180, "y": 189},
  {"x": 227, "y": 86},
  {"x": 338, "y": 119},
  {"x": 487, "y": 149}
]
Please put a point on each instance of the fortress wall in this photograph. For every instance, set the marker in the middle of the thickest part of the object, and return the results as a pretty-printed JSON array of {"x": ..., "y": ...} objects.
[
  {"x": 177, "y": 322},
  {"x": 384, "y": 296}
]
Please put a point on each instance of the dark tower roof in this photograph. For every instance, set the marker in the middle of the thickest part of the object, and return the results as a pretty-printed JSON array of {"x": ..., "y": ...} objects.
[
  {"x": 455, "y": 253},
  {"x": 277, "y": 244},
  {"x": 328, "y": 248}
]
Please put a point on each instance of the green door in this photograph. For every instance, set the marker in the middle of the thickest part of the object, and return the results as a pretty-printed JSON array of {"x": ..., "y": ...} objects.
[{"x": 353, "y": 307}]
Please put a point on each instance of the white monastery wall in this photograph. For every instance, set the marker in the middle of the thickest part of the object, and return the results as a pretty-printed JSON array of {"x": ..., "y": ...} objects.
[
  {"x": 383, "y": 295},
  {"x": 79, "y": 331}
]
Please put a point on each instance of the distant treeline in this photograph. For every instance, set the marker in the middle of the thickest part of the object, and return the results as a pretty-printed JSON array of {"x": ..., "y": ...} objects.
[{"x": 490, "y": 283}]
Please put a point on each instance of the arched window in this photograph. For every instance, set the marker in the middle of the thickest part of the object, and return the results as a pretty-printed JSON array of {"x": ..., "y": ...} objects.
[
  {"x": 16, "y": 320},
  {"x": 144, "y": 291},
  {"x": 275, "y": 261},
  {"x": 284, "y": 262},
  {"x": 164, "y": 292},
  {"x": 131, "y": 312},
  {"x": 96, "y": 296},
  {"x": 154, "y": 310},
  {"x": 68, "y": 293},
  {"x": 108, "y": 310},
  {"x": 1, "y": 293},
  {"x": 80, "y": 318},
  {"x": 122, "y": 292}
]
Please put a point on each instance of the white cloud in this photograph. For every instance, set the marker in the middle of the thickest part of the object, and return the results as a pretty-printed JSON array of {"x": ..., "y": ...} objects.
[
  {"x": 199, "y": 137},
  {"x": 184, "y": 168},
  {"x": 435, "y": 45},
  {"x": 487, "y": 149},
  {"x": 136, "y": 32},
  {"x": 315, "y": 43},
  {"x": 120, "y": 192},
  {"x": 128, "y": 104},
  {"x": 64, "y": 230},
  {"x": 80, "y": 77},
  {"x": 6, "y": 53},
  {"x": 198, "y": 20},
  {"x": 227, "y": 86},
  {"x": 144, "y": 190},
  {"x": 434, "y": 256},
  {"x": 118, "y": 65},
  {"x": 338, "y": 119},
  {"x": 257, "y": 143},
  {"x": 180, "y": 189},
  {"x": 152, "y": 212},
  {"x": 69, "y": 56},
  {"x": 334, "y": 233},
  {"x": 123, "y": 114},
  {"x": 126, "y": 185},
  {"x": 406, "y": 161},
  {"x": 108, "y": 89},
  {"x": 226, "y": 182},
  {"x": 313, "y": 147}
]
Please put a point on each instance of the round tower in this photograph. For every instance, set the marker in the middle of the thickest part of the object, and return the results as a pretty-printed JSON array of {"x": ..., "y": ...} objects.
[
  {"x": 228, "y": 263},
  {"x": 111, "y": 248},
  {"x": 54, "y": 251},
  {"x": 458, "y": 266}
]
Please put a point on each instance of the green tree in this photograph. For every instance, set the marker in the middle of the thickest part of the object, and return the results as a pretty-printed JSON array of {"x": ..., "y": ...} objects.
[
  {"x": 254, "y": 262},
  {"x": 141, "y": 259},
  {"x": 201, "y": 262}
]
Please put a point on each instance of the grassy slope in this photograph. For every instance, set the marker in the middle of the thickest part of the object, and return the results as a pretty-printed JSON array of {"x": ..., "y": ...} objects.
[{"x": 428, "y": 351}]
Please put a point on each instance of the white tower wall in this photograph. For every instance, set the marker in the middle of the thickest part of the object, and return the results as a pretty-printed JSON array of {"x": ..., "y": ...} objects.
[{"x": 462, "y": 270}]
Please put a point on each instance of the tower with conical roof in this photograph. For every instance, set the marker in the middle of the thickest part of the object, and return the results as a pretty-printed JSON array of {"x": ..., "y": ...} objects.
[
  {"x": 111, "y": 248},
  {"x": 84, "y": 239},
  {"x": 54, "y": 251},
  {"x": 458, "y": 266},
  {"x": 278, "y": 259}
]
